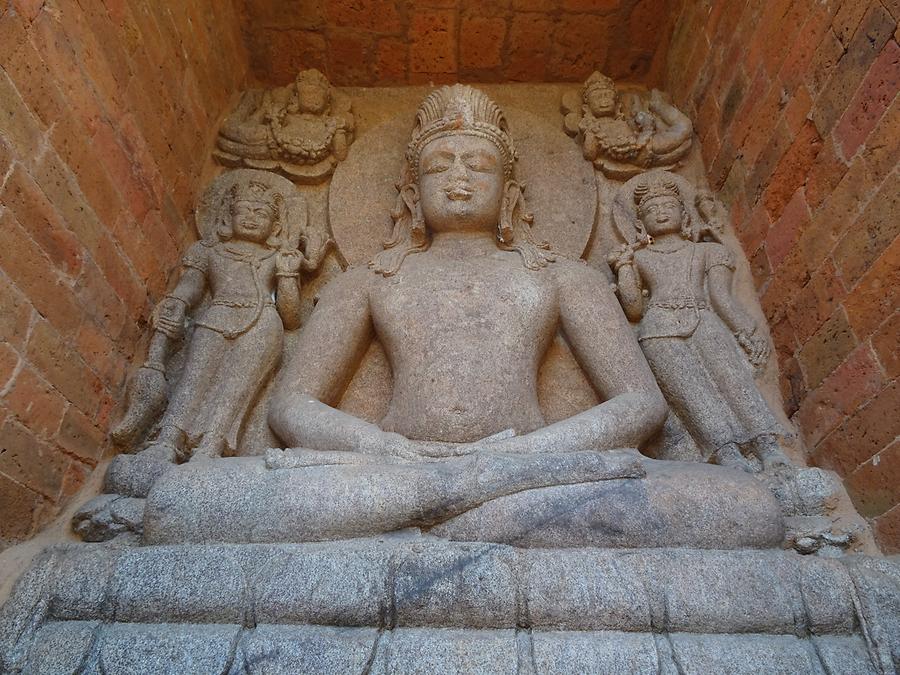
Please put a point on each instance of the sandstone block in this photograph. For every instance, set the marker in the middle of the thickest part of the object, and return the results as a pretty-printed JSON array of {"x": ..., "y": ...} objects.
[
  {"x": 827, "y": 348},
  {"x": 873, "y": 97},
  {"x": 37, "y": 404},
  {"x": 432, "y": 35},
  {"x": 872, "y": 427},
  {"x": 481, "y": 42},
  {"x": 877, "y": 294},
  {"x": 885, "y": 344},
  {"x": 876, "y": 28},
  {"x": 871, "y": 234}
]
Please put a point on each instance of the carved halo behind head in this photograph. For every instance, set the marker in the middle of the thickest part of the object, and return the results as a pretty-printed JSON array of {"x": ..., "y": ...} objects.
[{"x": 365, "y": 191}]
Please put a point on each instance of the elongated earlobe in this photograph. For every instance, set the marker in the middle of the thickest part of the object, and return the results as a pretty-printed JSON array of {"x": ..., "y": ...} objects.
[
  {"x": 410, "y": 195},
  {"x": 512, "y": 192}
]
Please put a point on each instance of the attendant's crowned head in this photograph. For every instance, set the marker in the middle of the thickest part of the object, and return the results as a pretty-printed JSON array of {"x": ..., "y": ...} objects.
[
  {"x": 459, "y": 176},
  {"x": 660, "y": 206},
  {"x": 255, "y": 213}
]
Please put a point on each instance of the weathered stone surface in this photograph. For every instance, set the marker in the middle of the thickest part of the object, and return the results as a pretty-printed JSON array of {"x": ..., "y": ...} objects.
[
  {"x": 162, "y": 649},
  {"x": 428, "y": 582},
  {"x": 464, "y": 302},
  {"x": 284, "y": 650},
  {"x": 137, "y": 648},
  {"x": 240, "y": 500},
  {"x": 63, "y": 648}
]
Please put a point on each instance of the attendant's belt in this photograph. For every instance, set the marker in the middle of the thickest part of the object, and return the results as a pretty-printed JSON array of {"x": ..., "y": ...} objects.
[
  {"x": 242, "y": 304},
  {"x": 679, "y": 303}
]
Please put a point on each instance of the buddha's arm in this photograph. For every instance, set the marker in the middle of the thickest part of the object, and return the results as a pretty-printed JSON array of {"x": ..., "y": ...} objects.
[
  {"x": 604, "y": 346},
  {"x": 329, "y": 349}
]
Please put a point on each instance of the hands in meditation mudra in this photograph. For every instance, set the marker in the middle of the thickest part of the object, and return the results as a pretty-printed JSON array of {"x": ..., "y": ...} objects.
[{"x": 465, "y": 303}]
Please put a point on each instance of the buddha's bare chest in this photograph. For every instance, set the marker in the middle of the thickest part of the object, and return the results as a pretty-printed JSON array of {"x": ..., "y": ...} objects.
[{"x": 448, "y": 310}]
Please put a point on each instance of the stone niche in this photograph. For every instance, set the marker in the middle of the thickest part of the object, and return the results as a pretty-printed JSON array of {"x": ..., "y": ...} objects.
[{"x": 459, "y": 380}]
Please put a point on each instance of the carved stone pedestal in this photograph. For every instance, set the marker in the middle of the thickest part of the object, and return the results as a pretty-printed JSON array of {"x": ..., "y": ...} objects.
[{"x": 410, "y": 603}]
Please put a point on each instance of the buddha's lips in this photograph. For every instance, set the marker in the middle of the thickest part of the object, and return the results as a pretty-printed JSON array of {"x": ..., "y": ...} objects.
[{"x": 458, "y": 193}]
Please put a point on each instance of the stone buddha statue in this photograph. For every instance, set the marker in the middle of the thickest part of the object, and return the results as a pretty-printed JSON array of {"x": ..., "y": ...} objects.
[{"x": 465, "y": 303}]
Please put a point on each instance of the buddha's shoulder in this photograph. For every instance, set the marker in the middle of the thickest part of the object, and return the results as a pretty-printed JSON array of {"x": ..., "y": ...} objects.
[{"x": 356, "y": 279}]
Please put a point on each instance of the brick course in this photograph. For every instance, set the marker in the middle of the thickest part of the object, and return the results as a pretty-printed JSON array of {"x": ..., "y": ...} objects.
[
  {"x": 397, "y": 42},
  {"x": 799, "y": 99},
  {"x": 107, "y": 110}
]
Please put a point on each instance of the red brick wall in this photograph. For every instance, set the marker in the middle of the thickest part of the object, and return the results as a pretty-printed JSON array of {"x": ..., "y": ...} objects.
[
  {"x": 396, "y": 42},
  {"x": 796, "y": 105},
  {"x": 106, "y": 114}
]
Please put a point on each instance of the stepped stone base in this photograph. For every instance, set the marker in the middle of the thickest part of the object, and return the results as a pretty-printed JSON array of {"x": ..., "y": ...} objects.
[
  {"x": 92, "y": 647},
  {"x": 420, "y": 604}
]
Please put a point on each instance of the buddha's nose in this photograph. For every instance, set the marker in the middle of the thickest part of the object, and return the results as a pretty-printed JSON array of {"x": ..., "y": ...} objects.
[{"x": 458, "y": 170}]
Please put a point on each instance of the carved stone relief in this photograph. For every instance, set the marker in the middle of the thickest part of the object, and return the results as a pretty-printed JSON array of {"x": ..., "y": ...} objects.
[
  {"x": 475, "y": 282},
  {"x": 624, "y": 133},
  {"x": 301, "y": 131},
  {"x": 244, "y": 271}
]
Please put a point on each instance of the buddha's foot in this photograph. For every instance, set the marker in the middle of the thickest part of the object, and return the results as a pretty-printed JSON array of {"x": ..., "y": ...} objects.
[
  {"x": 133, "y": 475},
  {"x": 774, "y": 460},
  {"x": 108, "y": 516},
  {"x": 498, "y": 473},
  {"x": 730, "y": 456}
]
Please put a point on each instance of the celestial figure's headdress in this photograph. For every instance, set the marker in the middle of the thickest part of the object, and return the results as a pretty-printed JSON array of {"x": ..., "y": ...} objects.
[
  {"x": 313, "y": 76},
  {"x": 460, "y": 109},
  {"x": 597, "y": 80},
  {"x": 256, "y": 193}
]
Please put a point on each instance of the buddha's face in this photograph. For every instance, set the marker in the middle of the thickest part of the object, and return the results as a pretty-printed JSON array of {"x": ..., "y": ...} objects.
[
  {"x": 461, "y": 184},
  {"x": 602, "y": 101},
  {"x": 311, "y": 97},
  {"x": 661, "y": 215},
  {"x": 252, "y": 221}
]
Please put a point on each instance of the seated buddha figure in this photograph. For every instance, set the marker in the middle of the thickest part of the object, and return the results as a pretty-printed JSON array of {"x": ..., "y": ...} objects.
[{"x": 465, "y": 303}]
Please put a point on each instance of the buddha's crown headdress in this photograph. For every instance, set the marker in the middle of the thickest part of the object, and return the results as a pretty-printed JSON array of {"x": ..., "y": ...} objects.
[
  {"x": 597, "y": 80},
  {"x": 460, "y": 109},
  {"x": 656, "y": 186}
]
